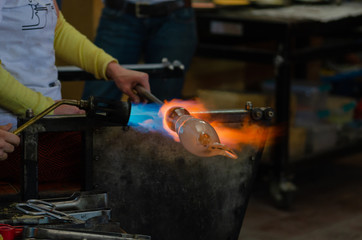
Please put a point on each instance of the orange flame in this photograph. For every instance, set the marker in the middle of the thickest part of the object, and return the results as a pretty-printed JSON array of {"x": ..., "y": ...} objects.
[
  {"x": 191, "y": 106},
  {"x": 234, "y": 137}
]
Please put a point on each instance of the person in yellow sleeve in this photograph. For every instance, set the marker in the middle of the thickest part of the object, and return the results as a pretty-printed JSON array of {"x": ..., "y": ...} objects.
[{"x": 32, "y": 33}]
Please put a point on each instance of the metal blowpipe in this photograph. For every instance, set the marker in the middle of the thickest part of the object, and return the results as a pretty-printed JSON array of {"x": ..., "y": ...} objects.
[
  {"x": 81, "y": 104},
  {"x": 147, "y": 94}
]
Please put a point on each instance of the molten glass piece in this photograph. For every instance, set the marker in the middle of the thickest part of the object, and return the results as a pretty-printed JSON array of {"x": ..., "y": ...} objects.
[{"x": 196, "y": 135}]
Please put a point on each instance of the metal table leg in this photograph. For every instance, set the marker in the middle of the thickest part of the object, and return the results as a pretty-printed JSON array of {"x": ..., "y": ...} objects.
[{"x": 282, "y": 189}]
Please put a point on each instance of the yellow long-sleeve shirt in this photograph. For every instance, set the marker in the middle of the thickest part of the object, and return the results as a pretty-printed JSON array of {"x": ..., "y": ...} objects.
[{"x": 71, "y": 46}]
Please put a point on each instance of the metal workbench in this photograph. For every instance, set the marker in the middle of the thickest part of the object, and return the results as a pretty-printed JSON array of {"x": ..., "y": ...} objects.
[{"x": 231, "y": 33}]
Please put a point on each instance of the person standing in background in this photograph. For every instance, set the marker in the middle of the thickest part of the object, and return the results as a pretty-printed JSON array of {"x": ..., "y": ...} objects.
[{"x": 148, "y": 30}]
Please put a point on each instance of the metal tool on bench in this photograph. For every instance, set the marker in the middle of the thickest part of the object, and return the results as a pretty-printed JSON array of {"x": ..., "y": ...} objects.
[
  {"x": 84, "y": 215},
  {"x": 80, "y": 201},
  {"x": 79, "y": 208},
  {"x": 100, "y": 215},
  {"x": 77, "y": 234},
  {"x": 37, "y": 207}
]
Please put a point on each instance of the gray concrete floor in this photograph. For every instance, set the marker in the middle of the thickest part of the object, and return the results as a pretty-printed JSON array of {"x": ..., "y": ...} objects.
[{"x": 327, "y": 205}]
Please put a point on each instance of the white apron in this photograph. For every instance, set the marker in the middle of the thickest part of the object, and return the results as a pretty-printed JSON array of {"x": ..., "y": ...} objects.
[{"x": 27, "y": 47}]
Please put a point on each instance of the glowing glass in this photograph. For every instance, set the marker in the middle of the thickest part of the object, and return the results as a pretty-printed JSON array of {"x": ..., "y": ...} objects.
[{"x": 196, "y": 135}]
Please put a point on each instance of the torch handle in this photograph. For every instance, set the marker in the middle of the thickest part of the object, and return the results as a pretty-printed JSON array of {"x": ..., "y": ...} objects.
[{"x": 147, "y": 94}]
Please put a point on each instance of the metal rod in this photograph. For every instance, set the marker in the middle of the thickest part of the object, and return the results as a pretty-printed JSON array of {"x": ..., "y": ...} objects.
[
  {"x": 99, "y": 200},
  {"x": 50, "y": 233},
  {"x": 147, "y": 94},
  {"x": 45, "y": 112},
  {"x": 224, "y": 116}
]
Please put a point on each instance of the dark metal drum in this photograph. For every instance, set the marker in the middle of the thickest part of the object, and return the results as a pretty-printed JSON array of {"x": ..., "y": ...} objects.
[{"x": 157, "y": 188}]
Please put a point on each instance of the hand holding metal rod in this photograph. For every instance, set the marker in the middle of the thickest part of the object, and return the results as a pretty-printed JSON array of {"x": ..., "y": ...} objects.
[{"x": 147, "y": 94}]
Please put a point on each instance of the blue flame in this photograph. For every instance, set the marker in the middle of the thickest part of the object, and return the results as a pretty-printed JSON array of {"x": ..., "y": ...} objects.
[{"x": 146, "y": 115}]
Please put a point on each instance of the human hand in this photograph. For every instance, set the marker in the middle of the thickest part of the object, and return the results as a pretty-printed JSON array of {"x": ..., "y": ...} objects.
[
  {"x": 126, "y": 80},
  {"x": 67, "y": 109},
  {"x": 8, "y": 141}
]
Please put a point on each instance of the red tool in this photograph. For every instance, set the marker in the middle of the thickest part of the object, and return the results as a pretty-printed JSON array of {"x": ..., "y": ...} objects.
[{"x": 9, "y": 232}]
